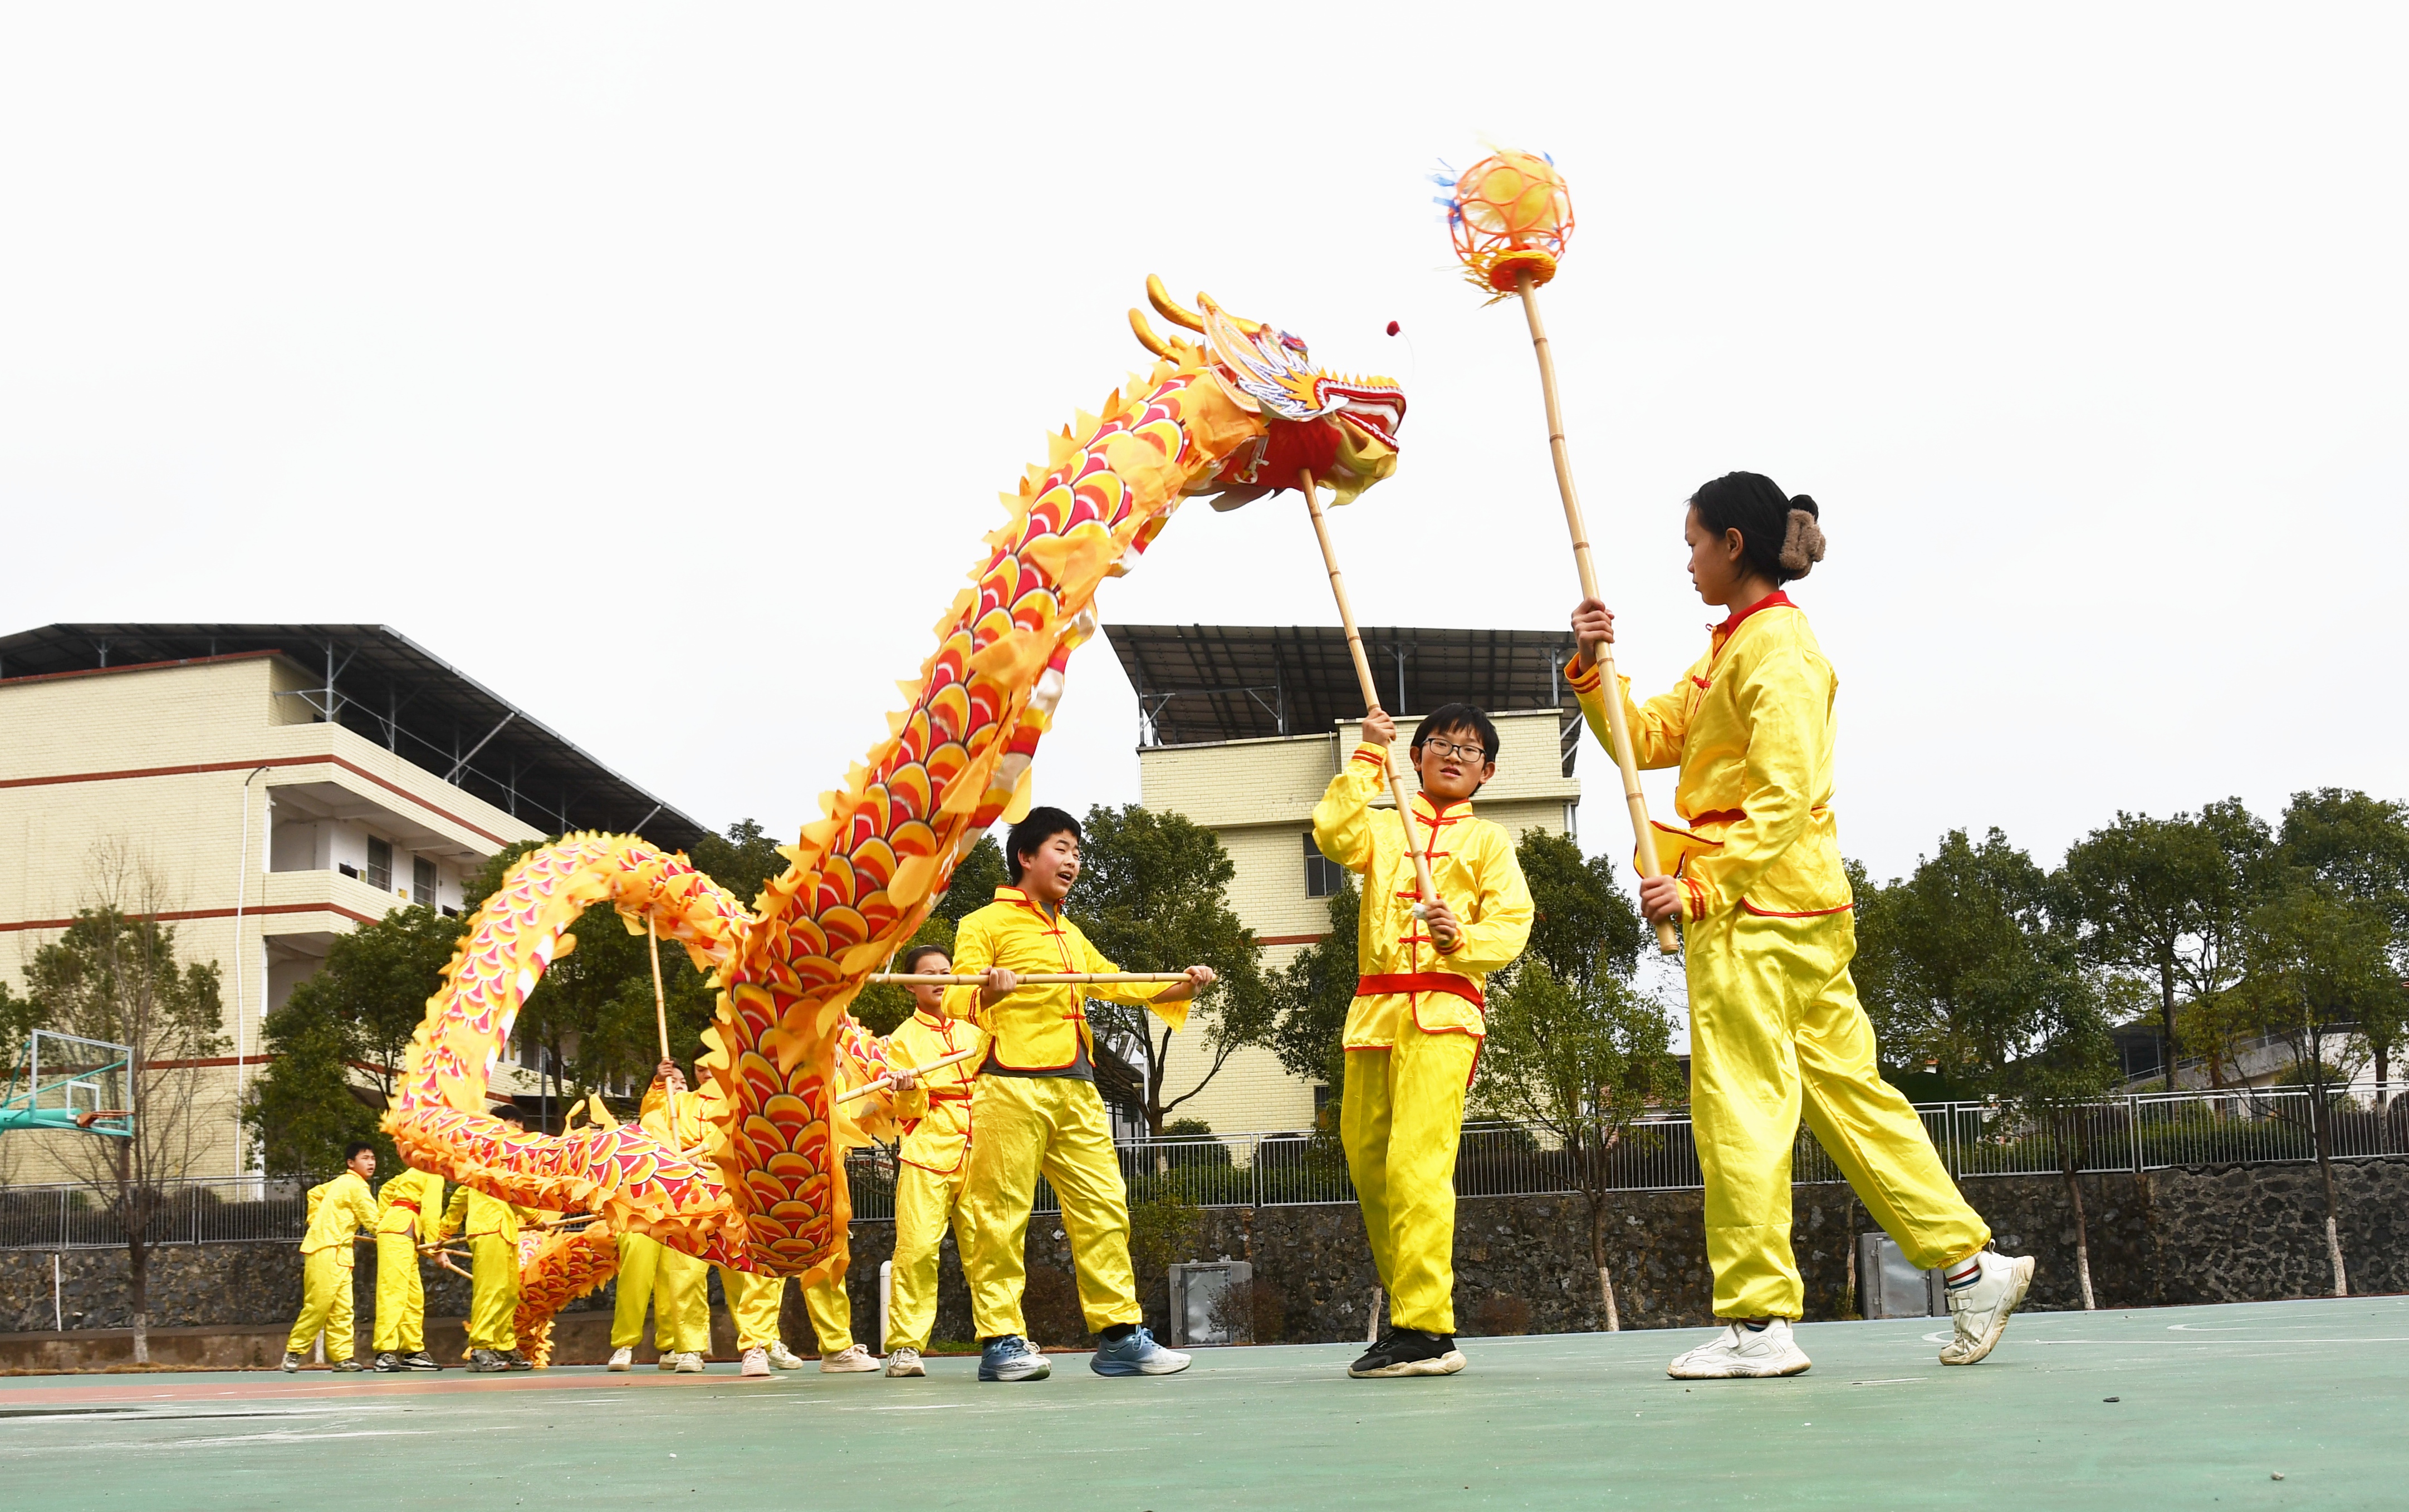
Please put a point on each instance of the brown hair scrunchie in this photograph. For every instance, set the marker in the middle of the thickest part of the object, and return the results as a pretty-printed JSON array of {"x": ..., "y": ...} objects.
[{"x": 1802, "y": 544}]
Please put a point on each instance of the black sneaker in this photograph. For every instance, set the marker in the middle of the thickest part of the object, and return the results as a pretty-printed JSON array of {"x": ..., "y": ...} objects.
[
  {"x": 487, "y": 1361},
  {"x": 1408, "y": 1351},
  {"x": 421, "y": 1361},
  {"x": 389, "y": 1364}
]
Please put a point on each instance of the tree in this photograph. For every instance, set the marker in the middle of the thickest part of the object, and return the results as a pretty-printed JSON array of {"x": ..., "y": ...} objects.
[
  {"x": 2072, "y": 1065},
  {"x": 1953, "y": 961},
  {"x": 113, "y": 975},
  {"x": 1583, "y": 923},
  {"x": 1311, "y": 994},
  {"x": 1582, "y": 1060},
  {"x": 2357, "y": 847},
  {"x": 2164, "y": 900},
  {"x": 1153, "y": 897},
  {"x": 2314, "y": 964}
]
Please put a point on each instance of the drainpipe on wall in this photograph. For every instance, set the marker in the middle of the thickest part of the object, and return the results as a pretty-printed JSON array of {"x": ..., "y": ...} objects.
[{"x": 241, "y": 892}]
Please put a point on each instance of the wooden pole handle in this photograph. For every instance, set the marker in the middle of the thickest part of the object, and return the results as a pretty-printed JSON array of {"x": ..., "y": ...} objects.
[
  {"x": 660, "y": 999},
  {"x": 1034, "y": 979},
  {"x": 1371, "y": 695},
  {"x": 889, "y": 1080},
  {"x": 1618, "y": 730}
]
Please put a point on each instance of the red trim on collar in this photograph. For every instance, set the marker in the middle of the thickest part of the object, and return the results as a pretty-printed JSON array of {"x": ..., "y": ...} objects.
[{"x": 1775, "y": 600}]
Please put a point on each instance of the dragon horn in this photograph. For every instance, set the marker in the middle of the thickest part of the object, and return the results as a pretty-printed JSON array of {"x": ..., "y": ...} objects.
[
  {"x": 1147, "y": 339},
  {"x": 1169, "y": 309}
]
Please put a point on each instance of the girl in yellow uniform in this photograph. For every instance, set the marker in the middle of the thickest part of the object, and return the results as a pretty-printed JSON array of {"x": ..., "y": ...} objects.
[
  {"x": 1768, "y": 932},
  {"x": 935, "y": 1112},
  {"x": 339, "y": 1210}
]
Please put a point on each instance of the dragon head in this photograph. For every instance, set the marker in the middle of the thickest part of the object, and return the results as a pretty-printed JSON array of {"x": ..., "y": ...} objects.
[{"x": 1341, "y": 430}]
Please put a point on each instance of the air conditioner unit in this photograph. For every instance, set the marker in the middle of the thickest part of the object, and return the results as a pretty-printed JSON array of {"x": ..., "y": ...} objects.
[{"x": 1212, "y": 1302}]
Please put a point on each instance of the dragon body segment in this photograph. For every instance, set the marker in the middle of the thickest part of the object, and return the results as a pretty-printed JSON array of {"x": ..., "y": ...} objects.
[{"x": 1236, "y": 414}]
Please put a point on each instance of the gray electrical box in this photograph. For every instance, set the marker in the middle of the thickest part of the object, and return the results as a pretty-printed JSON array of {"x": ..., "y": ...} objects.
[
  {"x": 1889, "y": 1287},
  {"x": 1212, "y": 1302}
]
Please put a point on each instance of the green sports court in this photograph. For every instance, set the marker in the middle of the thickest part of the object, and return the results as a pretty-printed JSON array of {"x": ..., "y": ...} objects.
[{"x": 2294, "y": 1403}]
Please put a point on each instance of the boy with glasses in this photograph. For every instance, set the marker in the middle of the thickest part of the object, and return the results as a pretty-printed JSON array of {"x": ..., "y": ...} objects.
[{"x": 1414, "y": 1030}]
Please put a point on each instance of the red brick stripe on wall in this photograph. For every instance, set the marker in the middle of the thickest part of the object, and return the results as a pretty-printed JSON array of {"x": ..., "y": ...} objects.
[
  {"x": 327, "y": 760},
  {"x": 210, "y": 914}
]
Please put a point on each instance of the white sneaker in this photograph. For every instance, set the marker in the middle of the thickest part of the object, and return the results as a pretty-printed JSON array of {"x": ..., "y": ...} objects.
[
  {"x": 291, "y": 1363},
  {"x": 668, "y": 1359},
  {"x": 757, "y": 1362},
  {"x": 622, "y": 1359},
  {"x": 689, "y": 1363},
  {"x": 1980, "y": 1308},
  {"x": 784, "y": 1357},
  {"x": 851, "y": 1361},
  {"x": 905, "y": 1360},
  {"x": 1739, "y": 1350}
]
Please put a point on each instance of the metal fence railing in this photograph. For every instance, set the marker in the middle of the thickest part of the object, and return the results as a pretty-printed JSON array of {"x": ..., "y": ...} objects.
[{"x": 2143, "y": 1132}]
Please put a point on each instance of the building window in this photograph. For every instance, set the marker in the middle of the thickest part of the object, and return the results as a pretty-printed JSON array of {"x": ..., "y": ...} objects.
[
  {"x": 1322, "y": 875},
  {"x": 422, "y": 882},
  {"x": 380, "y": 864}
]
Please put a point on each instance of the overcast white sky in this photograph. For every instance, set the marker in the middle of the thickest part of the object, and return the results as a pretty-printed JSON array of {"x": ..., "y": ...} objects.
[{"x": 659, "y": 367}]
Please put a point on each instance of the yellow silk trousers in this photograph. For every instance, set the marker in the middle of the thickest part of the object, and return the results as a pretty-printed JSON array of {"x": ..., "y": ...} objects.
[
  {"x": 325, "y": 1302},
  {"x": 493, "y": 1292},
  {"x": 1401, "y": 1119},
  {"x": 1053, "y": 1126},
  {"x": 925, "y": 1202},
  {"x": 1776, "y": 1031},
  {"x": 400, "y": 1296},
  {"x": 831, "y": 1314},
  {"x": 674, "y": 1286},
  {"x": 754, "y": 1301}
]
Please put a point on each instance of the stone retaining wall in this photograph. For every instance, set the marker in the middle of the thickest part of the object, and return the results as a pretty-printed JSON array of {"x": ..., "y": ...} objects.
[{"x": 2189, "y": 1235}]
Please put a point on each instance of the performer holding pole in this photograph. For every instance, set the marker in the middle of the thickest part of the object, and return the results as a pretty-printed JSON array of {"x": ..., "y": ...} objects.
[
  {"x": 406, "y": 1208},
  {"x": 339, "y": 1209},
  {"x": 1775, "y": 1025},
  {"x": 1512, "y": 218},
  {"x": 1037, "y": 1112},
  {"x": 677, "y": 1286},
  {"x": 936, "y": 1057},
  {"x": 492, "y": 1225}
]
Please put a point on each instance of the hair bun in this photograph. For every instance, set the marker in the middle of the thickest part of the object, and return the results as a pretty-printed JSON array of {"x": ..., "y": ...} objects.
[
  {"x": 1802, "y": 544},
  {"x": 1806, "y": 502}
]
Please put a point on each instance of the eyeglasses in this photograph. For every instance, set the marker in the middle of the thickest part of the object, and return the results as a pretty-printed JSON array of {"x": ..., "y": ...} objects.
[{"x": 1446, "y": 748}]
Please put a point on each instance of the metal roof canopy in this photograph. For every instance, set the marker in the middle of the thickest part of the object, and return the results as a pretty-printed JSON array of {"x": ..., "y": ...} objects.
[
  {"x": 382, "y": 685},
  {"x": 1202, "y": 682}
]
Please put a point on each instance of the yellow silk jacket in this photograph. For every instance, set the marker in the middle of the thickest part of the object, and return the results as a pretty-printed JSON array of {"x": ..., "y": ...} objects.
[
  {"x": 674, "y": 1118},
  {"x": 410, "y": 1202},
  {"x": 337, "y": 1210},
  {"x": 1040, "y": 1028},
  {"x": 1473, "y": 866},
  {"x": 936, "y": 1115},
  {"x": 477, "y": 1215},
  {"x": 1750, "y": 727}
]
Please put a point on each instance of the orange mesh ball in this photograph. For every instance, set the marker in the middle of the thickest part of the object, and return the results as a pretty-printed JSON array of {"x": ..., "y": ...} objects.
[{"x": 1511, "y": 215}]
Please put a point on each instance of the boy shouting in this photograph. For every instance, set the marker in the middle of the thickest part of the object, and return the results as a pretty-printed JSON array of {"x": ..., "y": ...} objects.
[
  {"x": 1414, "y": 1030},
  {"x": 1035, "y": 1110}
]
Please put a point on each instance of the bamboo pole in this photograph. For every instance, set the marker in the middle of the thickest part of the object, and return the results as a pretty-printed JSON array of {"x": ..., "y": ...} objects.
[
  {"x": 660, "y": 999},
  {"x": 1371, "y": 693},
  {"x": 1618, "y": 730},
  {"x": 889, "y": 1080},
  {"x": 1034, "y": 979}
]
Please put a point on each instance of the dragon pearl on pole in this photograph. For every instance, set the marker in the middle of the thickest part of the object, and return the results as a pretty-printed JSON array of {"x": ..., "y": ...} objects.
[{"x": 1511, "y": 218}]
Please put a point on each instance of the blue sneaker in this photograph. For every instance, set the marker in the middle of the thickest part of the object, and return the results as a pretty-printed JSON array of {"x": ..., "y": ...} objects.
[
  {"x": 1011, "y": 1358},
  {"x": 1137, "y": 1355}
]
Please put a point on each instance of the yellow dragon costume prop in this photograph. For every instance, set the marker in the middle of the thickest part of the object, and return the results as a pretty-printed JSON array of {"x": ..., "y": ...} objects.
[{"x": 1237, "y": 413}]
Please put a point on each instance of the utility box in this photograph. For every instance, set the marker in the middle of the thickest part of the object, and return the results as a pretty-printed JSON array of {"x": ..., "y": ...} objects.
[
  {"x": 1889, "y": 1287},
  {"x": 1212, "y": 1302}
]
